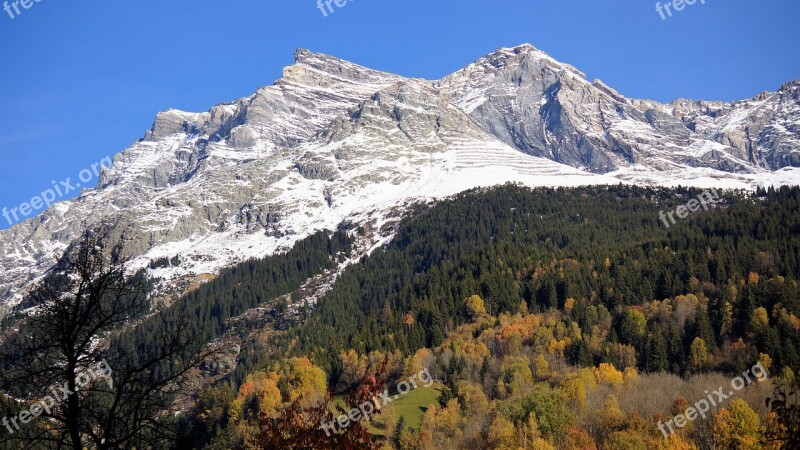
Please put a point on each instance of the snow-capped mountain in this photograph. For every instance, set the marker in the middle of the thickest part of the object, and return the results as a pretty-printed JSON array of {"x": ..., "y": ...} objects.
[
  {"x": 546, "y": 108},
  {"x": 333, "y": 142}
]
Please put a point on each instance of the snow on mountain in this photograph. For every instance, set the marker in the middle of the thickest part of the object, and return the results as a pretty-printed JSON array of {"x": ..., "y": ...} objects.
[{"x": 332, "y": 142}]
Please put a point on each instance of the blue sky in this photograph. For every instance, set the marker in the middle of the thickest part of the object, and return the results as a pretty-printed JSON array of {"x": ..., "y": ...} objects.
[{"x": 84, "y": 79}]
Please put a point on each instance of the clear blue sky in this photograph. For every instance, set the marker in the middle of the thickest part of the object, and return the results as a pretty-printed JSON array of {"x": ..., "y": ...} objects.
[{"x": 84, "y": 79}]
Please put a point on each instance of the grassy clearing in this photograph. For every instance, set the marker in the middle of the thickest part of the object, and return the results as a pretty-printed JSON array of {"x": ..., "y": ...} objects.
[{"x": 411, "y": 407}]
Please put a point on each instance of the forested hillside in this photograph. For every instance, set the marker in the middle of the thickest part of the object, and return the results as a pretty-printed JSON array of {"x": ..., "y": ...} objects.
[
  {"x": 87, "y": 312},
  {"x": 529, "y": 303}
]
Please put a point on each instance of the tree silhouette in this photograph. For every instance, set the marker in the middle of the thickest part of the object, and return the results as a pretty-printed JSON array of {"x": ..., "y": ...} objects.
[
  {"x": 785, "y": 403},
  {"x": 78, "y": 312}
]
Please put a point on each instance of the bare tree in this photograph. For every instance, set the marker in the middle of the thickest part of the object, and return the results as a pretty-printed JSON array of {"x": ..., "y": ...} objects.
[{"x": 90, "y": 366}]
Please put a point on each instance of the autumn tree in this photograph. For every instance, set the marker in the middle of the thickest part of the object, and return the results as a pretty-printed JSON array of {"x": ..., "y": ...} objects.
[
  {"x": 298, "y": 427},
  {"x": 541, "y": 367},
  {"x": 552, "y": 413},
  {"x": 308, "y": 421},
  {"x": 625, "y": 440},
  {"x": 633, "y": 326},
  {"x": 475, "y": 306},
  {"x": 738, "y": 427},
  {"x": 699, "y": 358},
  {"x": 502, "y": 434},
  {"x": 608, "y": 419},
  {"x": 578, "y": 439}
]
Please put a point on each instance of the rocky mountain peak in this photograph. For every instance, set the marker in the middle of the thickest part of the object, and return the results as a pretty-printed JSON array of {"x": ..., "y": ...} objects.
[
  {"x": 174, "y": 121},
  {"x": 791, "y": 89},
  {"x": 333, "y": 142},
  {"x": 321, "y": 70}
]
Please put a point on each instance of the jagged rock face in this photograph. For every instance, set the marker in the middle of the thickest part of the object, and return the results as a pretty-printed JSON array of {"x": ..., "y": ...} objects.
[
  {"x": 500, "y": 89},
  {"x": 546, "y": 108},
  {"x": 764, "y": 130},
  {"x": 198, "y": 175},
  {"x": 333, "y": 142}
]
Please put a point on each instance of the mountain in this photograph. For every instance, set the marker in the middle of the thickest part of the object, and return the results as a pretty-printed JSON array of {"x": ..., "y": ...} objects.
[
  {"x": 332, "y": 142},
  {"x": 549, "y": 109}
]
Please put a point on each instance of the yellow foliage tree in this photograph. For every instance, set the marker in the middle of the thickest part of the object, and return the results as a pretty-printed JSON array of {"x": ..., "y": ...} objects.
[
  {"x": 528, "y": 431},
  {"x": 303, "y": 380},
  {"x": 760, "y": 319},
  {"x": 353, "y": 366},
  {"x": 578, "y": 439},
  {"x": 631, "y": 375},
  {"x": 674, "y": 442},
  {"x": 446, "y": 421},
  {"x": 574, "y": 388},
  {"x": 541, "y": 444},
  {"x": 472, "y": 397},
  {"x": 625, "y": 440},
  {"x": 610, "y": 417},
  {"x": 518, "y": 374},
  {"x": 502, "y": 434},
  {"x": 558, "y": 347},
  {"x": 699, "y": 358},
  {"x": 261, "y": 387},
  {"x": 262, "y": 393},
  {"x": 475, "y": 306},
  {"x": 765, "y": 360},
  {"x": 269, "y": 399},
  {"x": 420, "y": 360},
  {"x": 738, "y": 427},
  {"x": 727, "y": 319},
  {"x": 541, "y": 367},
  {"x": 608, "y": 374}
]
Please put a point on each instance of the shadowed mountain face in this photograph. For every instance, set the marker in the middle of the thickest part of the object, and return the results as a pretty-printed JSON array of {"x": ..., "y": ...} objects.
[{"x": 334, "y": 142}]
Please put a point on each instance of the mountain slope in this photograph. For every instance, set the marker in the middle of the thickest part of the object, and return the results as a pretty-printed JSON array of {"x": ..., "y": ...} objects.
[
  {"x": 333, "y": 142},
  {"x": 546, "y": 108}
]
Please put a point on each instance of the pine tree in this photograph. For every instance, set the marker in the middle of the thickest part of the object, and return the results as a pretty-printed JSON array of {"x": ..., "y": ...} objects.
[
  {"x": 657, "y": 360},
  {"x": 485, "y": 368},
  {"x": 399, "y": 429}
]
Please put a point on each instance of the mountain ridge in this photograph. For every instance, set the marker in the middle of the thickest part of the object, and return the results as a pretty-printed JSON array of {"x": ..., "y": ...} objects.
[{"x": 332, "y": 141}]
